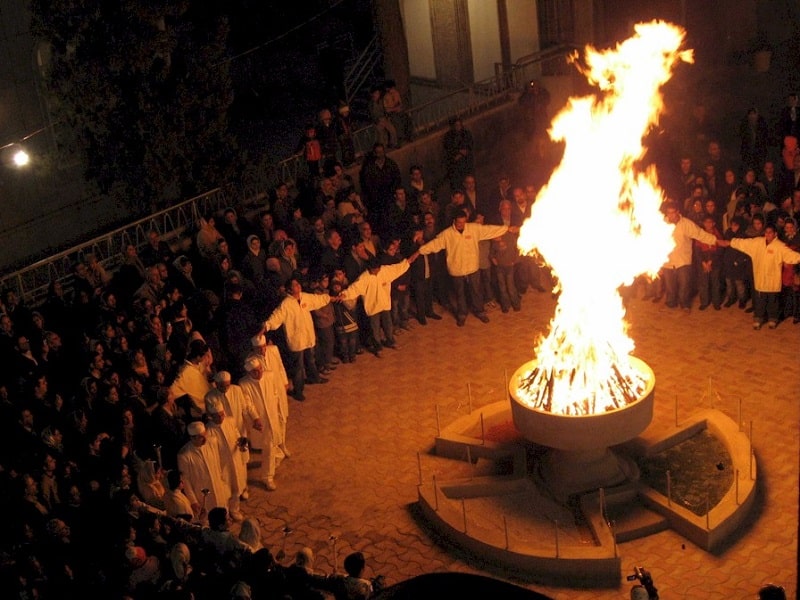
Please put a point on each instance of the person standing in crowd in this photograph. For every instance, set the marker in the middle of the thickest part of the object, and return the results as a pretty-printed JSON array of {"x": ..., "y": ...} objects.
[
  {"x": 193, "y": 378},
  {"x": 294, "y": 313},
  {"x": 261, "y": 387},
  {"x": 233, "y": 450},
  {"x": 241, "y": 415},
  {"x": 460, "y": 241},
  {"x": 384, "y": 129},
  {"x": 677, "y": 271},
  {"x": 374, "y": 285},
  {"x": 203, "y": 469},
  {"x": 459, "y": 157},
  {"x": 769, "y": 254}
]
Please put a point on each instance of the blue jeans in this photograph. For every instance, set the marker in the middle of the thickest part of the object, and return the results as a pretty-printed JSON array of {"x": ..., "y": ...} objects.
[{"x": 678, "y": 285}]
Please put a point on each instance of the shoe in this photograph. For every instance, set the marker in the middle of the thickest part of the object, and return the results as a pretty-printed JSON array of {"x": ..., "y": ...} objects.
[
  {"x": 335, "y": 361},
  {"x": 516, "y": 308},
  {"x": 318, "y": 380},
  {"x": 704, "y": 306},
  {"x": 237, "y": 516},
  {"x": 729, "y": 303},
  {"x": 796, "y": 320},
  {"x": 405, "y": 327},
  {"x": 482, "y": 317},
  {"x": 391, "y": 345},
  {"x": 757, "y": 325},
  {"x": 460, "y": 321},
  {"x": 504, "y": 309},
  {"x": 748, "y": 310},
  {"x": 360, "y": 351},
  {"x": 772, "y": 324},
  {"x": 686, "y": 309},
  {"x": 422, "y": 321},
  {"x": 270, "y": 485},
  {"x": 742, "y": 303},
  {"x": 397, "y": 331},
  {"x": 324, "y": 371},
  {"x": 244, "y": 495},
  {"x": 656, "y": 299},
  {"x": 434, "y": 316},
  {"x": 331, "y": 366},
  {"x": 717, "y": 307},
  {"x": 297, "y": 396}
]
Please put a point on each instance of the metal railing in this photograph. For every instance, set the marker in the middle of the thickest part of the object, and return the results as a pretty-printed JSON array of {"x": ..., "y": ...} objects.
[
  {"x": 362, "y": 69},
  {"x": 31, "y": 283}
]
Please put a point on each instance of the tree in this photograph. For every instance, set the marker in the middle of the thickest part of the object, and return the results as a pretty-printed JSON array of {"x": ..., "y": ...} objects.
[{"x": 142, "y": 91}]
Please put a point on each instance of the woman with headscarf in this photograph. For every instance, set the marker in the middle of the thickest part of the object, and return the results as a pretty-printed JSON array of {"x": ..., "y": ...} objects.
[{"x": 250, "y": 534}]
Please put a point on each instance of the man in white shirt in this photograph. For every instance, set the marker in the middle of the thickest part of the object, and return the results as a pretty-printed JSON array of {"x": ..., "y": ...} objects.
[
  {"x": 375, "y": 285},
  {"x": 294, "y": 313},
  {"x": 461, "y": 240}
]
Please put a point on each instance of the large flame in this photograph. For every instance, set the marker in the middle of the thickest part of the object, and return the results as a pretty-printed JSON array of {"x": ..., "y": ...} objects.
[{"x": 597, "y": 224}]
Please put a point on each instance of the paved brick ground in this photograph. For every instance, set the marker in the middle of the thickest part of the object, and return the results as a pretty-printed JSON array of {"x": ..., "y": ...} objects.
[{"x": 356, "y": 442}]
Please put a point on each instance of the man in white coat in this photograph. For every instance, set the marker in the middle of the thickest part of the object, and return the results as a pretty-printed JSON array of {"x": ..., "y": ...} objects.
[
  {"x": 294, "y": 313},
  {"x": 375, "y": 285},
  {"x": 232, "y": 447},
  {"x": 270, "y": 356},
  {"x": 460, "y": 241},
  {"x": 240, "y": 412},
  {"x": 202, "y": 468},
  {"x": 769, "y": 254},
  {"x": 261, "y": 388}
]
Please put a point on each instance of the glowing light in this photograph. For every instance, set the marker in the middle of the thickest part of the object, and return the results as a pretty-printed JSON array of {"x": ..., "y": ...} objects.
[
  {"x": 21, "y": 158},
  {"x": 597, "y": 224}
]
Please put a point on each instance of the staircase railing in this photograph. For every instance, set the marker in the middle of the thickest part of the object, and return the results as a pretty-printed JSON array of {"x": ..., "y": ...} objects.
[{"x": 362, "y": 69}]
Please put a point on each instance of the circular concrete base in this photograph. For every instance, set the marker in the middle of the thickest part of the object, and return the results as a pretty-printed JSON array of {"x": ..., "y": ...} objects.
[
  {"x": 564, "y": 473},
  {"x": 579, "y": 459}
]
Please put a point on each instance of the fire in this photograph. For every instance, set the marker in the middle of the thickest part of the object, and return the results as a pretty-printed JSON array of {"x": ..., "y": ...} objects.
[{"x": 597, "y": 224}]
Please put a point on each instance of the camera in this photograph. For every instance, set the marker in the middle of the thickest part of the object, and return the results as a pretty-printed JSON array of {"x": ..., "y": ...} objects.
[{"x": 645, "y": 580}]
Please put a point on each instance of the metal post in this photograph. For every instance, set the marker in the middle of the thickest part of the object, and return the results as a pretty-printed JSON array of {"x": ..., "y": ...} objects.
[
  {"x": 676, "y": 410},
  {"x": 557, "y": 549},
  {"x": 435, "y": 495},
  {"x": 505, "y": 530},
  {"x": 464, "y": 513},
  {"x": 669, "y": 488},
  {"x": 438, "y": 422},
  {"x": 739, "y": 420},
  {"x": 751, "y": 449},
  {"x": 469, "y": 396},
  {"x": 483, "y": 431},
  {"x": 603, "y": 503}
]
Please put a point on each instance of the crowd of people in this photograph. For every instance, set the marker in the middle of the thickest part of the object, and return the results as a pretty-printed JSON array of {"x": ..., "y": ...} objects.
[{"x": 139, "y": 406}]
